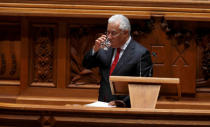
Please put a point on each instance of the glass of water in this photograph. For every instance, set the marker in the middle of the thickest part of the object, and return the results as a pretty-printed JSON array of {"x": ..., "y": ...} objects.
[{"x": 106, "y": 44}]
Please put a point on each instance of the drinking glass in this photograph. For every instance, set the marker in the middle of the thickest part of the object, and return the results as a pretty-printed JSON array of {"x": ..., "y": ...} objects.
[{"x": 106, "y": 44}]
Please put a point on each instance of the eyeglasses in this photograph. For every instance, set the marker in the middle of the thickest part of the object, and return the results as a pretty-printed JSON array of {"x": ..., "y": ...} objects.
[{"x": 113, "y": 33}]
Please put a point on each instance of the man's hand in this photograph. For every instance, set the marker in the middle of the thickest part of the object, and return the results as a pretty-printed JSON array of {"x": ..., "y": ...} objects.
[
  {"x": 117, "y": 103},
  {"x": 98, "y": 43}
]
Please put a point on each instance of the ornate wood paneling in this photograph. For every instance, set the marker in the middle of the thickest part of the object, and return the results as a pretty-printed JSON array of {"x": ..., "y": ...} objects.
[
  {"x": 203, "y": 60},
  {"x": 10, "y": 55},
  {"x": 43, "y": 42},
  {"x": 10, "y": 51},
  {"x": 43, "y": 55},
  {"x": 82, "y": 38},
  {"x": 173, "y": 46},
  {"x": 55, "y": 50}
]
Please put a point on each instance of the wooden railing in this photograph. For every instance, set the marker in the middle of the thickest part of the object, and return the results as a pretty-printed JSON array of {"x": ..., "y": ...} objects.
[{"x": 19, "y": 115}]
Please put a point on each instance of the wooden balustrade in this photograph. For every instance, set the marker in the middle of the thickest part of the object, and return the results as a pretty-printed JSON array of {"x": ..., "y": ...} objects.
[{"x": 77, "y": 115}]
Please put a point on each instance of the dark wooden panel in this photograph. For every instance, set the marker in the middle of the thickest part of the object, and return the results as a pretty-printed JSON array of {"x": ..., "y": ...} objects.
[
  {"x": 10, "y": 51},
  {"x": 82, "y": 38}
]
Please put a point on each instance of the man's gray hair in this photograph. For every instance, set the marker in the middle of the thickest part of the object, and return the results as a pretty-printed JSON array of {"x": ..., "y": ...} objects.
[{"x": 124, "y": 22}]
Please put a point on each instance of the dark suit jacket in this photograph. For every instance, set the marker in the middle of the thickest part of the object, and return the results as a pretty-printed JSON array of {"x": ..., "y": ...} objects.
[{"x": 134, "y": 57}]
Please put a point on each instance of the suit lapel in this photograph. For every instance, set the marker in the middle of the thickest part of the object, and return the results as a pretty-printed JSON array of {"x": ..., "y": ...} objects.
[
  {"x": 109, "y": 54},
  {"x": 126, "y": 56}
]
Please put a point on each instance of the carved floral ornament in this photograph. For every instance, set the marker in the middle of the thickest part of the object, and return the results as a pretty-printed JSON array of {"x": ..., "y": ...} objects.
[
  {"x": 184, "y": 36},
  {"x": 203, "y": 40},
  {"x": 4, "y": 68},
  {"x": 43, "y": 54},
  {"x": 81, "y": 40},
  {"x": 9, "y": 35}
]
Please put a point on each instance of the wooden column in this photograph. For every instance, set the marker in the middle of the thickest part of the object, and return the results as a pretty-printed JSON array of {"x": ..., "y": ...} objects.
[
  {"x": 24, "y": 71},
  {"x": 62, "y": 56}
]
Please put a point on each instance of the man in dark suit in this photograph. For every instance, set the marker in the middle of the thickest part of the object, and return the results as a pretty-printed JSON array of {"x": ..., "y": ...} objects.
[{"x": 125, "y": 57}]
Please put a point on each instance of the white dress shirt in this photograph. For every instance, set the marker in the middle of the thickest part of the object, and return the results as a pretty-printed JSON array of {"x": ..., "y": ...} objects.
[{"x": 123, "y": 47}]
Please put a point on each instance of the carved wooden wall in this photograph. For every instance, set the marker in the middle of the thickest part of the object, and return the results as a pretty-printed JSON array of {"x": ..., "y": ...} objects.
[
  {"x": 174, "y": 46},
  {"x": 42, "y": 56},
  {"x": 81, "y": 39}
]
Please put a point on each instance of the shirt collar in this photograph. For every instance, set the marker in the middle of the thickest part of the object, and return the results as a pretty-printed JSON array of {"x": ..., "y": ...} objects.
[{"x": 123, "y": 47}]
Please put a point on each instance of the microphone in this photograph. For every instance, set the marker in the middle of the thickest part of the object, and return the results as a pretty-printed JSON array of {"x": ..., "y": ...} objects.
[
  {"x": 140, "y": 66},
  {"x": 150, "y": 71}
]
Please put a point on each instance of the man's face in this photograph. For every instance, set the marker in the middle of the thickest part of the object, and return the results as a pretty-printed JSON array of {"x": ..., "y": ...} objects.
[{"x": 116, "y": 36}]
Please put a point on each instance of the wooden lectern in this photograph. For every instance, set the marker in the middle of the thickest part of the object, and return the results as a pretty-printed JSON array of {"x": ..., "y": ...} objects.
[{"x": 143, "y": 91}]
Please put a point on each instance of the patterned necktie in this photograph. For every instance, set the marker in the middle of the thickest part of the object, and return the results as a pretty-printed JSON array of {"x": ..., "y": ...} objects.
[{"x": 115, "y": 61}]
